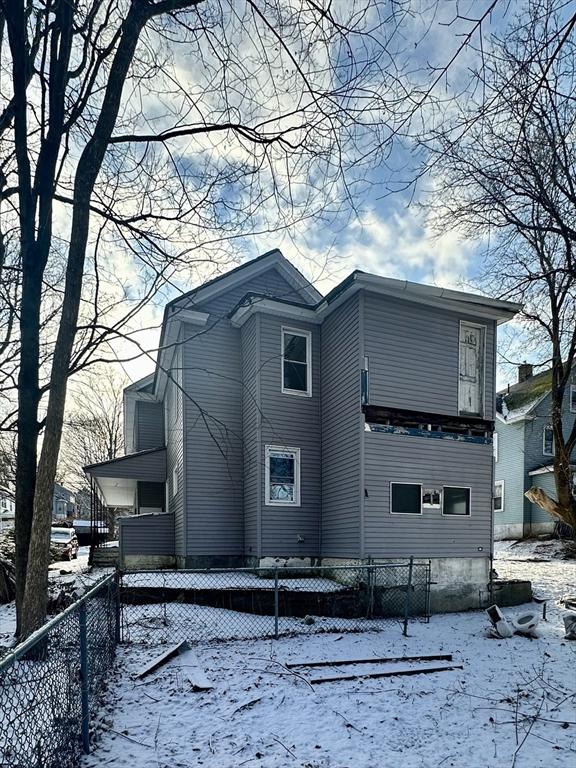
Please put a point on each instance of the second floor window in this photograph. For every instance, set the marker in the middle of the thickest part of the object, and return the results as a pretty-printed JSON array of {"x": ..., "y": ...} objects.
[
  {"x": 572, "y": 398},
  {"x": 296, "y": 363},
  {"x": 548, "y": 441}
]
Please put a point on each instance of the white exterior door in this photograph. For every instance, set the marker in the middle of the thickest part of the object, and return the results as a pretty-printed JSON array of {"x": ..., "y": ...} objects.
[{"x": 471, "y": 375}]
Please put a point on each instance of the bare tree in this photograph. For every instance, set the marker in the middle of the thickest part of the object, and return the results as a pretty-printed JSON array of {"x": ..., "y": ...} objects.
[
  {"x": 93, "y": 425},
  {"x": 506, "y": 164}
]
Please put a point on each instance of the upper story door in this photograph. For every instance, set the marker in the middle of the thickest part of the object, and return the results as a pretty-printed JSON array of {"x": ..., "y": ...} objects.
[{"x": 471, "y": 374}]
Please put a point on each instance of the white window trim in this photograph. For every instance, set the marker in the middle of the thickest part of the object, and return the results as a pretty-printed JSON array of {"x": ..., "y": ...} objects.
[
  {"x": 268, "y": 502},
  {"x": 308, "y": 336},
  {"x": 544, "y": 451},
  {"x": 463, "y": 487},
  {"x": 482, "y": 413},
  {"x": 571, "y": 395},
  {"x": 406, "y": 514},
  {"x": 495, "y": 446},
  {"x": 500, "y": 482}
]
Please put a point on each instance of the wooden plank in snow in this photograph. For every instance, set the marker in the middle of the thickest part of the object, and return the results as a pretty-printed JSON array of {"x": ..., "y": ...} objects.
[
  {"x": 163, "y": 658},
  {"x": 386, "y": 660},
  {"x": 387, "y": 673}
]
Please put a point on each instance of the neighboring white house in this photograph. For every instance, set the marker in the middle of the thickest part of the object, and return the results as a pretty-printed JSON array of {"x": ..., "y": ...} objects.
[{"x": 7, "y": 509}]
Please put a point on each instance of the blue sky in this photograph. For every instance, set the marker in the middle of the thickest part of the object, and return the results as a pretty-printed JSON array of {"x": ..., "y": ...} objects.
[{"x": 388, "y": 233}]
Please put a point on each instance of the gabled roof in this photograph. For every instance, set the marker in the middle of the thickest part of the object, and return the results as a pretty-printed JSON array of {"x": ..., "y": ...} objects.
[{"x": 517, "y": 402}]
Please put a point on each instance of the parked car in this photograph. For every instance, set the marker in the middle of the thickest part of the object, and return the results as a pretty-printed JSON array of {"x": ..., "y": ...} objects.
[{"x": 66, "y": 541}]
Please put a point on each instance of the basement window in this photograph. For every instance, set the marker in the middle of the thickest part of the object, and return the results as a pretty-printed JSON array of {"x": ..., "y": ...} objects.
[
  {"x": 296, "y": 362},
  {"x": 282, "y": 476},
  {"x": 499, "y": 496},
  {"x": 405, "y": 498},
  {"x": 572, "y": 398},
  {"x": 456, "y": 501},
  {"x": 548, "y": 441}
]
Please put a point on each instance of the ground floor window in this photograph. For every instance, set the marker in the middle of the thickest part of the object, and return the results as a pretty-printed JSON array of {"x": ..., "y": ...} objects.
[
  {"x": 499, "y": 496},
  {"x": 282, "y": 476},
  {"x": 406, "y": 498},
  {"x": 456, "y": 501}
]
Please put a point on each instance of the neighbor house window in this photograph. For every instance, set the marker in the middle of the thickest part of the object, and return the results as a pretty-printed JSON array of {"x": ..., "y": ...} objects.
[
  {"x": 174, "y": 481},
  {"x": 296, "y": 362},
  {"x": 548, "y": 441},
  {"x": 432, "y": 498},
  {"x": 456, "y": 501},
  {"x": 499, "y": 496},
  {"x": 572, "y": 398},
  {"x": 405, "y": 498},
  {"x": 282, "y": 476}
]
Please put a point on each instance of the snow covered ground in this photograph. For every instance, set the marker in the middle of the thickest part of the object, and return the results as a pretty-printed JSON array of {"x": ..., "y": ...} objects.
[
  {"x": 226, "y": 580},
  {"x": 74, "y": 573},
  {"x": 512, "y": 703}
]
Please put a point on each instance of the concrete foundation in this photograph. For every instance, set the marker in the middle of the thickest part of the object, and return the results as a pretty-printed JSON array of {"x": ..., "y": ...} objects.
[
  {"x": 145, "y": 562},
  {"x": 508, "y": 531}
]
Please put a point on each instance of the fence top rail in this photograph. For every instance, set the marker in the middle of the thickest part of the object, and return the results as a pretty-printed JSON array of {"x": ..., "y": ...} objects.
[
  {"x": 23, "y": 647},
  {"x": 268, "y": 568}
]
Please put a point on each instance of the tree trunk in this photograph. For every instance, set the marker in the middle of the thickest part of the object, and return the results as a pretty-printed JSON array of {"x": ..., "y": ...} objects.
[{"x": 36, "y": 589}]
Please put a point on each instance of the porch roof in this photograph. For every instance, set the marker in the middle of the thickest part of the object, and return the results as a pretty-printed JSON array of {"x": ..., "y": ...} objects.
[{"x": 116, "y": 479}]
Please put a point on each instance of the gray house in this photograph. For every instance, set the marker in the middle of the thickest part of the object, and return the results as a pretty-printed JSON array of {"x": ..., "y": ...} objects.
[
  {"x": 284, "y": 424},
  {"x": 523, "y": 452}
]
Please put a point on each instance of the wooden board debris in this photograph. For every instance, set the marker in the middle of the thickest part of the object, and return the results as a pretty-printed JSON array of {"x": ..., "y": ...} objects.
[
  {"x": 375, "y": 660},
  {"x": 385, "y": 673},
  {"x": 172, "y": 651}
]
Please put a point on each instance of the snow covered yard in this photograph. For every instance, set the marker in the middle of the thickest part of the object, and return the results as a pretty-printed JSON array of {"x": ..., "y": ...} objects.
[{"x": 259, "y": 713}]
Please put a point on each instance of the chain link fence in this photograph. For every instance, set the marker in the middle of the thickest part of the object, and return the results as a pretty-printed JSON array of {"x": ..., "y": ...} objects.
[
  {"x": 225, "y": 604},
  {"x": 50, "y": 684}
]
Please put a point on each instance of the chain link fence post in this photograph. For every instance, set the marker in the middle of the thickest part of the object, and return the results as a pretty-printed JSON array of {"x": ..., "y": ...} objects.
[
  {"x": 407, "y": 600},
  {"x": 276, "y": 603},
  {"x": 117, "y": 609},
  {"x": 84, "y": 681}
]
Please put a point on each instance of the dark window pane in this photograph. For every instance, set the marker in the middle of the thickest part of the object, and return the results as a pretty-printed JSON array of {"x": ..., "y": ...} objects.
[
  {"x": 295, "y": 348},
  {"x": 456, "y": 501},
  {"x": 406, "y": 498},
  {"x": 295, "y": 376},
  {"x": 282, "y": 469}
]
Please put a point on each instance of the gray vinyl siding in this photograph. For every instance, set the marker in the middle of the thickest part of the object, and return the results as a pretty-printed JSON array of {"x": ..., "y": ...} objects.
[
  {"x": 434, "y": 462},
  {"x": 250, "y": 337},
  {"x": 535, "y": 456},
  {"x": 413, "y": 351},
  {"x": 213, "y": 418},
  {"x": 547, "y": 483},
  {"x": 291, "y": 421},
  {"x": 341, "y": 432},
  {"x": 150, "y": 466},
  {"x": 270, "y": 283},
  {"x": 174, "y": 430},
  {"x": 147, "y": 535},
  {"x": 149, "y": 423},
  {"x": 510, "y": 469}
]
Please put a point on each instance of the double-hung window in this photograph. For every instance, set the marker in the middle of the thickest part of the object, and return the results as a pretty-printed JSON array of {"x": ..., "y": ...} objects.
[
  {"x": 282, "y": 476},
  {"x": 499, "y": 496},
  {"x": 296, "y": 362},
  {"x": 548, "y": 441},
  {"x": 572, "y": 396}
]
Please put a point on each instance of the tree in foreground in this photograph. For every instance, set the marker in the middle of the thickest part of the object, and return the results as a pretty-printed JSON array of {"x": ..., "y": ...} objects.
[{"x": 507, "y": 173}]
